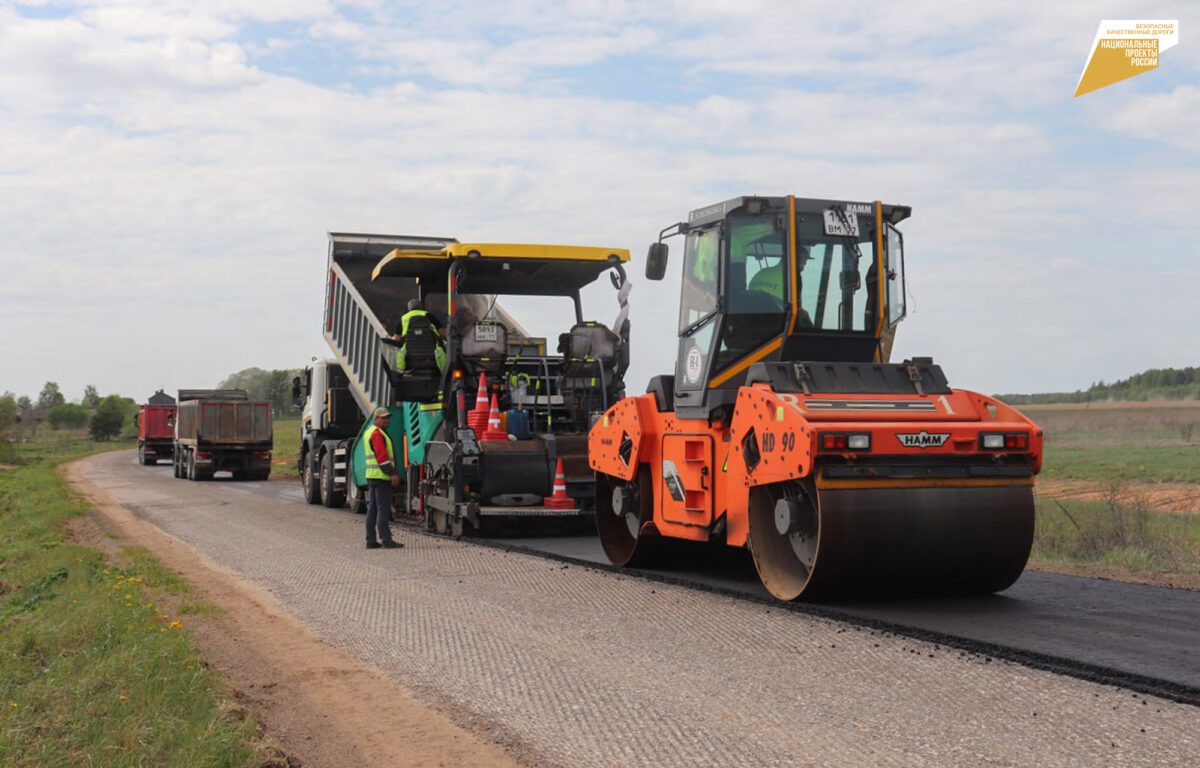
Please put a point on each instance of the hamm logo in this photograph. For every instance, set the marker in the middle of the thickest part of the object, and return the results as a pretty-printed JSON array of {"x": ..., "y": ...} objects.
[{"x": 922, "y": 439}]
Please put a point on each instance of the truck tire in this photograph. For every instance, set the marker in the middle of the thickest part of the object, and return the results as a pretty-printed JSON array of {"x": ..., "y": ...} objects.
[
  {"x": 309, "y": 481},
  {"x": 356, "y": 497},
  {"x": 191, "y": 467},
  {"x": 330, "y": 496}
]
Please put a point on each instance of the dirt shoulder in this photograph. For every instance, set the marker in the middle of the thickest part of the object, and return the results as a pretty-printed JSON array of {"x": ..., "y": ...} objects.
[
  {"x": 1156, "y": 497},
  {"x": 320, "y": 705}
]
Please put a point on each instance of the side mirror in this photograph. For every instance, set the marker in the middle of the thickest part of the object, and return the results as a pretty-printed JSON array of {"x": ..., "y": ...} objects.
[
  {"x": 296, "y": 398},
  {"x": 656, "y": 261},
  {"x": 851, "y": 280}
]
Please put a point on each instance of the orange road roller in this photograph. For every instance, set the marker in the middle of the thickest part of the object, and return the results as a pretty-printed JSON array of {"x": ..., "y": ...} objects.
[{"x": 785, "y": 428}]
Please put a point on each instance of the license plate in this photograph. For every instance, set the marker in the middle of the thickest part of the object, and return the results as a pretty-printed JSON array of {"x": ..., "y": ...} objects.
[
  {"x": 836, "y": 227},
  {"x": 487, "y": 333}
]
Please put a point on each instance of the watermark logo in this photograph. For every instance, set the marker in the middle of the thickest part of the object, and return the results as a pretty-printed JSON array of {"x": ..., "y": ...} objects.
[{"x": 1123, "y": 49}]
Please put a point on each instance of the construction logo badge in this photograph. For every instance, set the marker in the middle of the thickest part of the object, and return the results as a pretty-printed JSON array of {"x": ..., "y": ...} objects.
[{"x": 1123, "y": 49}]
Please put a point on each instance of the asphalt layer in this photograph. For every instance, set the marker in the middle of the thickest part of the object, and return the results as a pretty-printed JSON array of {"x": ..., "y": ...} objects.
[
  {"x": 1143, "y": 638},
  {"x": 586, "y": 666}
]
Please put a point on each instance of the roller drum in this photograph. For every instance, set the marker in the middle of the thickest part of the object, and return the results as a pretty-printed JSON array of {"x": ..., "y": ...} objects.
[{"x": 887, "y": 541}]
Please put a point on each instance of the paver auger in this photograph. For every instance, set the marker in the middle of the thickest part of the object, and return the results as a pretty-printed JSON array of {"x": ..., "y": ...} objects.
[{"x": 785, "y": 428}]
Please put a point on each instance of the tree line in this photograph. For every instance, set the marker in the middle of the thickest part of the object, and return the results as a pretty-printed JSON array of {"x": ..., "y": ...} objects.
[
  {"x": 1153, "y": 384},
  {"x": 104, "y": 417},
  {"x": 273, "y": 386}
]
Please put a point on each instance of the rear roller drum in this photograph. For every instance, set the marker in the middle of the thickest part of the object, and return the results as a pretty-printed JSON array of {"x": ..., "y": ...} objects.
[
  {"x": 785, "y": 528},
  {"x": 622, "y": 509}
]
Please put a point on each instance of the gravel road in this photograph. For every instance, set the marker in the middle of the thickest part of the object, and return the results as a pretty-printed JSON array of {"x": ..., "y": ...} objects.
[{"x": 585, "y": 668}]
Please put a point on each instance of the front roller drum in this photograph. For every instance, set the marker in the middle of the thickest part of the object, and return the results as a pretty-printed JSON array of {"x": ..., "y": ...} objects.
[
  {"x": 622, "y": 511},
  {"x": 887, "y": 541}
]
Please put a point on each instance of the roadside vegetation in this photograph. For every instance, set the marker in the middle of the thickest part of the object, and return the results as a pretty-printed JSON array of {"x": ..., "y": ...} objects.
[
  {"x": 1127, "y": 452},
  {"x": 287, "y": 444},
  {"x": 95, "y": 663}
]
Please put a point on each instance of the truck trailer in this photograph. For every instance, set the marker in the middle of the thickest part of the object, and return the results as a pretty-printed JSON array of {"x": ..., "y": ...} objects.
[
  {"x": 156, "y": 428},
  {"x": 222, "y": 430}
]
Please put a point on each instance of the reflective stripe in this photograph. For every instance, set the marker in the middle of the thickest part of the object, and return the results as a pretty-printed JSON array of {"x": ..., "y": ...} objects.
[{"x": 373, "y": 470}]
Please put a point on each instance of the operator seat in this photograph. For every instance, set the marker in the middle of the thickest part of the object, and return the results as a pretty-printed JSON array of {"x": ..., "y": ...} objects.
[{"x": 589, "y": 374}]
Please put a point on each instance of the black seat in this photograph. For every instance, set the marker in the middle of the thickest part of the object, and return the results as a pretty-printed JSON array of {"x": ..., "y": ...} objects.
[
  {"x": 420, "y": 346},
  {"x": 590, "y": 383}
]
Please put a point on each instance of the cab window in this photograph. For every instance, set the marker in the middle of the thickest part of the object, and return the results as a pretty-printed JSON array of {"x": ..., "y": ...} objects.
[{"x": 699, "y": 298}]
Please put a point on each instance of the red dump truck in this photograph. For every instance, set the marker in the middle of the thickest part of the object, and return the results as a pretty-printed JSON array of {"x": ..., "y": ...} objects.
[
  {"x": 222, "y": 430},
  {"x": 156, "y": 432}
]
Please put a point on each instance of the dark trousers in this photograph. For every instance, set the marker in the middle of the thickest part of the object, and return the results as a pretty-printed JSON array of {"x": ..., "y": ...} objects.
[{"x": 379, "y": 510}]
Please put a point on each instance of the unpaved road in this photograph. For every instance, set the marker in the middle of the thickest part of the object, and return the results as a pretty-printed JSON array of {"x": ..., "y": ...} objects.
[{"x": 380, "y": 657}]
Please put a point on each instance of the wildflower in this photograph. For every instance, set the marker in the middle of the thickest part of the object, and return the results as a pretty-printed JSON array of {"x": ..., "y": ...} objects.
[
  {"x": 124, "y": 697},
  {"x": 177, "y": 624},
  {"x": 128, "y": 597},
  {"x": 12, "y": 704}
]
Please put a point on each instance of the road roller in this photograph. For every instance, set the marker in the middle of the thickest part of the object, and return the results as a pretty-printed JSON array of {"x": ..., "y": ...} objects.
[{"x": 786, "y": 428}]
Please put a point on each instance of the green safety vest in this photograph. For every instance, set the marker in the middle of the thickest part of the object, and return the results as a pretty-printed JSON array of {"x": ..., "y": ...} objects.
[
  {"x": 373, "y": 470},
  {"x": 439, "y": 352}
]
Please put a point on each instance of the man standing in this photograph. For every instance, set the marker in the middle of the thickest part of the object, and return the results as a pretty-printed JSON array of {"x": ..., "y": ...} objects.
[{"x": 382, "y": 477}]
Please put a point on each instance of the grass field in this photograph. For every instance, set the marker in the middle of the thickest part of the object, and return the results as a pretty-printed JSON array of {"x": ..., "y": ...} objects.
[
  {"x": 1124, "y": 448},
  {"x": 95, "y": 663},
  {"x": 287, "y": 443},
  {"x": 1143, "y": 442}
]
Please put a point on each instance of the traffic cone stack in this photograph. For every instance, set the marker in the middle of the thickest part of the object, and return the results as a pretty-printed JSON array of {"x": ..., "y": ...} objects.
[
  {"x": 559, "y": 499},
  {"x": 494, "y": 430},
  {"x": 477, "y": 419}
]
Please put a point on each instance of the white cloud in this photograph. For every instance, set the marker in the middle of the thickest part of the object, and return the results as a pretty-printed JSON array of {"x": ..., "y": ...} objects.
[{"x": 167, "y": 198}]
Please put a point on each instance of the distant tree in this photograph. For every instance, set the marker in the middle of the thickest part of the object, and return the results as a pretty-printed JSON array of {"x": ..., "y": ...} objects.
[
  {"x": 91, "y": 398},
  {"x": 51, "y": 396},
  {"x": 108, "y": 419},
  {"x": 8, "y": 412},
  {"x": 68, "y": 416},
  {"x": 274, "y": 386},
  {"x": 24, "y": 404}
]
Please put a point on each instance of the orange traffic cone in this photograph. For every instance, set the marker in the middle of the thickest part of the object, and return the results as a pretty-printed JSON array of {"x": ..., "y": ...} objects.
[
  {"x": 560, "y": 499},
  {"x": 494, "y": 430},
  {"x": 477, "y": 419}
]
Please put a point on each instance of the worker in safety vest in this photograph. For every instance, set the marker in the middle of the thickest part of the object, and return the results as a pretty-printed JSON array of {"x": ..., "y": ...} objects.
[
  {"x": 382, "y": 477},
  {"x": 770, "y": 280},
  {"x": 415, "y": 310}
]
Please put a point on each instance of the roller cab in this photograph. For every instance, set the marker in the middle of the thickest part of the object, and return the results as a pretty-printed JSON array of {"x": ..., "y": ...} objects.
[{"x": 843, "y": 473}]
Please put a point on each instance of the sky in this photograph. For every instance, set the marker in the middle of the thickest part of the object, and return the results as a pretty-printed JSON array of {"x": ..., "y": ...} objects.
[{"x": 169, "y": 170}]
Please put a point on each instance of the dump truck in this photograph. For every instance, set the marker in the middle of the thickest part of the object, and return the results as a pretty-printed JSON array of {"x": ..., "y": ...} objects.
[
  {"x": 786, "y": 429},
  {"x": 547, "y": 396},
  {"x": 156, "y": 428},
  {"x": 336, "y": 394},
  {"x": 222, "y": 430}
]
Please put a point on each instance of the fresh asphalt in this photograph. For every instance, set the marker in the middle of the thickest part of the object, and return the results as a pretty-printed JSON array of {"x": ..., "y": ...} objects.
[{"x": 1138, "y": 637}]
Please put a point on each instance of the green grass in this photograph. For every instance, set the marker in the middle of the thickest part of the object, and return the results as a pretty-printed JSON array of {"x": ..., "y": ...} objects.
[
  {"x": 287, "y": 447},
  {"x": 1116, "y": 534},
  {"x": 1141, "y": 444},
  {"x": 94, "y": 669}
]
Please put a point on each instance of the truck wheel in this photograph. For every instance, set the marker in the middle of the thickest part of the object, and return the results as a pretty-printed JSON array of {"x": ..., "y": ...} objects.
[
  {"x": 330, "y": 496},
  {"x": 308, "y": 480},
  {"x": 191, "y": 467},
  {"x": 412, "y": 490},
  {"x": 356, "y": 497}
]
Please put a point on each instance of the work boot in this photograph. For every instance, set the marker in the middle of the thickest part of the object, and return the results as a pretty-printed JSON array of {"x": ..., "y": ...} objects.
[
  {"x": 374, "y": 545},
  {"x": 392, "y": 545}
]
